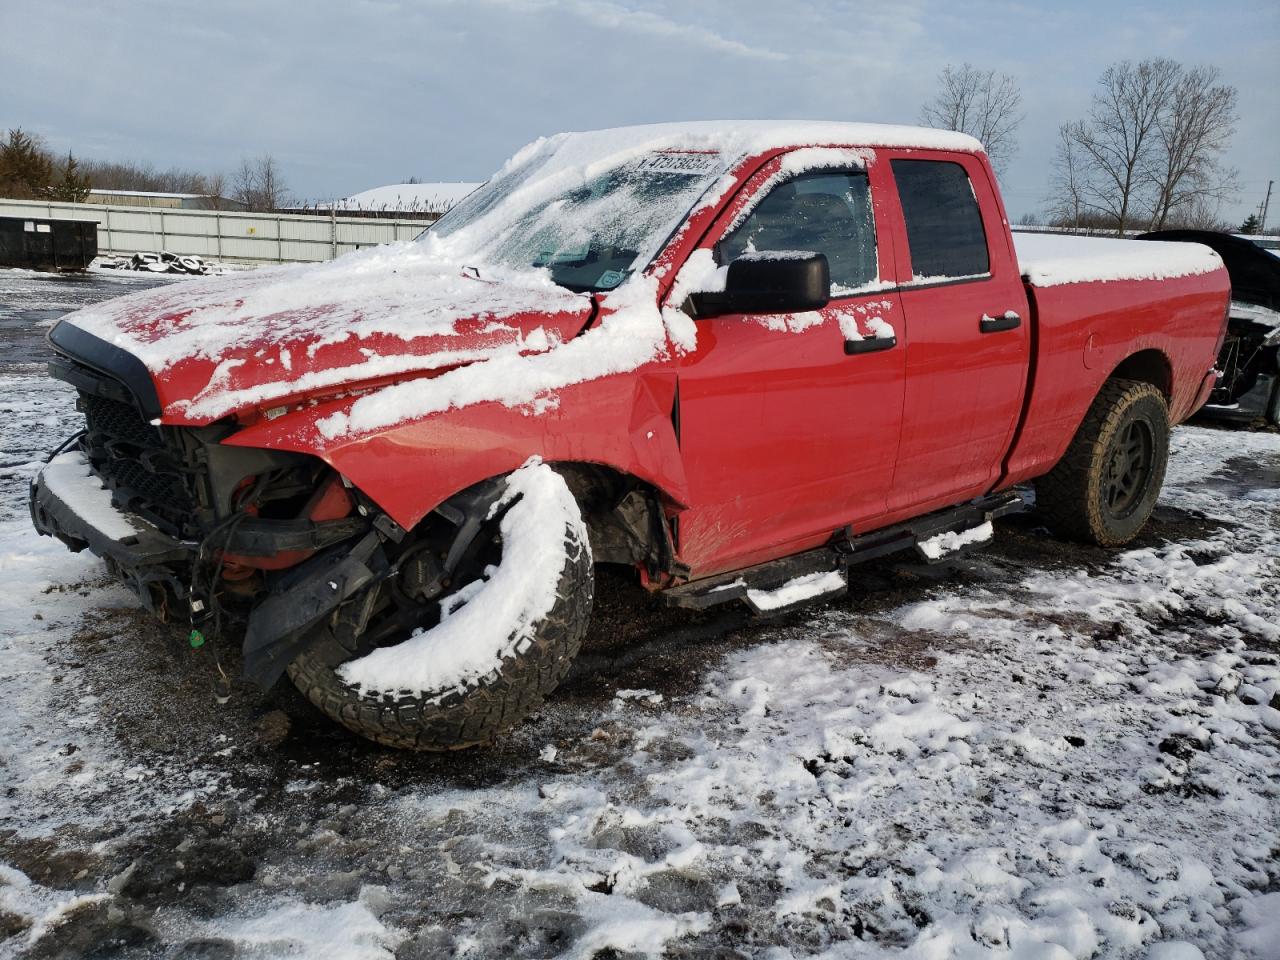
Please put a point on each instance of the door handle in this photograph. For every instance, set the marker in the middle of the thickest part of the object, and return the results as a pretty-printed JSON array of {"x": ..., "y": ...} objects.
[
  {"x": 870, "y": 345},
  {"x": 1006, "y": 321}
]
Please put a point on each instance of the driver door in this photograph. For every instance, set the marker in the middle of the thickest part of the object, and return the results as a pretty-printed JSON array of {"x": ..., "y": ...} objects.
[{"x": 787, "y": 436}]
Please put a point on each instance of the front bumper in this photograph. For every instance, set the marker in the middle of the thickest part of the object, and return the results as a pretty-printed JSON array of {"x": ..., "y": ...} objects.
[{"x": 69, "y": 502}]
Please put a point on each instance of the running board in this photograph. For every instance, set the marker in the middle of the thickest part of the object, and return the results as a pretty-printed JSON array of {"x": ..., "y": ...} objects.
[{"x": 782, "y": 585}]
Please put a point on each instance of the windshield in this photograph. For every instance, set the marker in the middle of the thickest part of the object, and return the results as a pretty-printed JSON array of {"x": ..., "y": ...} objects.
[{"x": 590, "y": 228}]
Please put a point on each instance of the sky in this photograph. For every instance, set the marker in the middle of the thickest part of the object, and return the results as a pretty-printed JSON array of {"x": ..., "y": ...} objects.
[{"x": 353, "y": 94}]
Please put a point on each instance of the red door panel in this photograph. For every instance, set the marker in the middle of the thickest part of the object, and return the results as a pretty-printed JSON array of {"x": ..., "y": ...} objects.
[{"x": 785, "y": 438}]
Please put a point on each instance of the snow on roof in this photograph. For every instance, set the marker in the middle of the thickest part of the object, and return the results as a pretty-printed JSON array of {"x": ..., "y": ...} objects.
[
  {"x": 740, "y": 138},
  {"x": 419, "y": 197},
  {"x": 745, "y": 137},
  {"x": 1048, "y": 260},
  {"x": 158, "y": 194},
  {"x": 732, "y": 138}
]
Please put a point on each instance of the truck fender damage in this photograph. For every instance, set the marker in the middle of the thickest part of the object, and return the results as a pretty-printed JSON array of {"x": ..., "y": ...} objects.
[
  {"x": 623, "y": 423},
  {"x": 280, "y": 628}
]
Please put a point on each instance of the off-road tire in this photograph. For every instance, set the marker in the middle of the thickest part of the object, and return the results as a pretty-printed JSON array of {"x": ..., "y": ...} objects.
[
  {"x": 484, "y": 709},
  {"x": 1072, "y": 496}
]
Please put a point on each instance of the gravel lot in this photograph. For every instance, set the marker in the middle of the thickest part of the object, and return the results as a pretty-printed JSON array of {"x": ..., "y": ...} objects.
[{"x": 1040, "y": 750}]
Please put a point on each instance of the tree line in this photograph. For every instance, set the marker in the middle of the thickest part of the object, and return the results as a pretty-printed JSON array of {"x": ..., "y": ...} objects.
[
  {"x": 1149, "y": 154},
  {"x": 30, "y": 171}
]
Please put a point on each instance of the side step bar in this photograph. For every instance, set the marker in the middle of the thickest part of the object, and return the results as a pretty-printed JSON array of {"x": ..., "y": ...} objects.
[{"x": 782, "y": 585}]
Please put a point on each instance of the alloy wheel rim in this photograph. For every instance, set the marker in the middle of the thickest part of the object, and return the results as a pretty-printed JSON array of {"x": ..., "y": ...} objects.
[{"x": 1128, "y": 468}]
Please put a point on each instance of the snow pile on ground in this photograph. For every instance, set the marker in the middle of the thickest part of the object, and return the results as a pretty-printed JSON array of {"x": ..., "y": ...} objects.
[
  {"x": 1089, "y": 769},
  {"x": 1049, "y": 260},
  {"x": 491, "y": 619},
  {"x": 1029, "y": 759}
]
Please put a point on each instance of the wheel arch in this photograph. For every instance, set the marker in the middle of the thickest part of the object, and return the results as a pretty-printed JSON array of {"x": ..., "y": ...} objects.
[
  {"x": 1147, "y": 366},
  {"x": 626, "y": 516}
]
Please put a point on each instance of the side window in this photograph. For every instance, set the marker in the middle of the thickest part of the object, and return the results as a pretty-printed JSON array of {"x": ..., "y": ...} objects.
[
  {"x": 944, "y": 226},
  {"x": 828, "y": 213}
]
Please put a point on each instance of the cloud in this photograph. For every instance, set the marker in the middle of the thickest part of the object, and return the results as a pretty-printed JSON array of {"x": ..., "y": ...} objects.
[{"x": 615, "y": 16}]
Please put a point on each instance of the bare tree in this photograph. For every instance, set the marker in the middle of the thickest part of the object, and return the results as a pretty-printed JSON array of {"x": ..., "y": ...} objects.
[
  {"x": 981, "y": 103},
  {"x": 1119, "y": 137},
  {"x": 128, "y": 175},
  {"x": 215, "y": 191},
  {"x": 1201, "y": 212},
  {"x": 1193, "y": 133},
  {"x": 1149, "y": 147},
  {"x": 1067, "y": 203},
  {"x": 259, "y": 184}
]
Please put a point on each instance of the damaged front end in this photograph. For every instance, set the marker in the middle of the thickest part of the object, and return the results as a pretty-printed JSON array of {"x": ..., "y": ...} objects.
[{"x": 217, "y": 535}]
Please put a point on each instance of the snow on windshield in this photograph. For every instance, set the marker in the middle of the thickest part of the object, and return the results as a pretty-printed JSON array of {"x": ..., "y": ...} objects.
[{"x": 590, "y": 227}]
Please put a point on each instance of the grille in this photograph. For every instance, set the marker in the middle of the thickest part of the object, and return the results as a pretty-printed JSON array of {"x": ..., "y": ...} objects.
[{"x": 139, "y": 464}]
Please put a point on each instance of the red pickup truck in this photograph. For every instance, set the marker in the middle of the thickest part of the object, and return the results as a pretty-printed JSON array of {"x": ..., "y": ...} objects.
[{"x": 737, "y": 358}]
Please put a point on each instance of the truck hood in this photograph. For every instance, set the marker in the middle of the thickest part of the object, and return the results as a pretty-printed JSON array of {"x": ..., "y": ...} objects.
[{"x": 269, "y": 337}]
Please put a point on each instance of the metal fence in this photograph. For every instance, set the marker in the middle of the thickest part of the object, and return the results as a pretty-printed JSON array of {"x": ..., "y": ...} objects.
[{"x": 222, "y": 235}]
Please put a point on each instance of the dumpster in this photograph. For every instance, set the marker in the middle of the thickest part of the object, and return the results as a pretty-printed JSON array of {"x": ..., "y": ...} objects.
[{"x": 39, "y": 244}]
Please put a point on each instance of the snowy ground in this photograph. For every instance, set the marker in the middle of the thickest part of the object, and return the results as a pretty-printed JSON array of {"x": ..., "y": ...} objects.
[{"x": 1041, "y": 751}]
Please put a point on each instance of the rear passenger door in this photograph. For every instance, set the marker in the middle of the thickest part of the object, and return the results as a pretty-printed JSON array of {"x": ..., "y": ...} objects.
[{"x": 967, "y": 353}]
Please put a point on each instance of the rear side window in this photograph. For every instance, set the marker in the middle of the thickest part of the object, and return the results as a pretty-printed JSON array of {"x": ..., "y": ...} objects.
[
  {"x": 827, "y": 213},
  {"x": 944, "y": 226}
]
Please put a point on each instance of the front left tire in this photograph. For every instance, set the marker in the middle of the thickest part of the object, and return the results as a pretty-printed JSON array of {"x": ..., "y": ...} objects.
[{"x": 471, "y": 675}]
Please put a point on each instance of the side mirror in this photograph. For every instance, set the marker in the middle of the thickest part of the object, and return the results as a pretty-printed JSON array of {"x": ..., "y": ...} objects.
[{"x": 770, "y": 282}]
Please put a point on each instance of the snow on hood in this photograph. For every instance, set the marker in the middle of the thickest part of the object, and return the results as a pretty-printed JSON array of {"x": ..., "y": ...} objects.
[{"x": 221, "y": 345}]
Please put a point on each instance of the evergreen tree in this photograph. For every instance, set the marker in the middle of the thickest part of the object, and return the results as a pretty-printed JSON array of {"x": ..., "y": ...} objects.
[
  {"x": 26, "y": 169},
  {"x": 1251, "y": 224},
  {"x": 73, "y": 186}
]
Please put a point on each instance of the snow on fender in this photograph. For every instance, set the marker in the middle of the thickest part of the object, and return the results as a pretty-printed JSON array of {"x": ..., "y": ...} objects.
[{"x": 493, "y": 618}]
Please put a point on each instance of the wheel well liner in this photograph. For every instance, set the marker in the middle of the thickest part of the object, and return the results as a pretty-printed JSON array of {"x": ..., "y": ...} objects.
[
  {"x": 1149, "y": 366},
  {"x": 625, "y": 516}
]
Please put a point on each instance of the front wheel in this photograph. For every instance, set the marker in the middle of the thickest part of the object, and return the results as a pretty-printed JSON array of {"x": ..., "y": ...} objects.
[
  {"x": 1105, "y": 486},
  {"x": 410, "y": 666}
]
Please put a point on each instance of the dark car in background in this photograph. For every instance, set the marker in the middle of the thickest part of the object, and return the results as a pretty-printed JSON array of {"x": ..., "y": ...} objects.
[{"x": 1250, "y": 358}]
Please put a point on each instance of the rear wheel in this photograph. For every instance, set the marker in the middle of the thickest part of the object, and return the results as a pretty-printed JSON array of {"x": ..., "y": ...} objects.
[
  {"x": 425, "y": 661},
  {"x": 1106, "y": 485}
]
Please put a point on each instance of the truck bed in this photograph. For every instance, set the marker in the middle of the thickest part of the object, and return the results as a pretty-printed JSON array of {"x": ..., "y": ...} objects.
[
  {"x": 1102, "y": 308},
  {"x": 1050, "y": 259}
]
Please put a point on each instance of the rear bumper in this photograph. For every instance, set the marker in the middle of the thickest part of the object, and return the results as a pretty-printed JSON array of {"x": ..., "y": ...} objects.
[{"x": 68, "y": 502}]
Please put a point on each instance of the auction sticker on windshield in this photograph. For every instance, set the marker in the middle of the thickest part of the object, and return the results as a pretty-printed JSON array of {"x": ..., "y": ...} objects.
[{"x": 690, "y": 163}]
